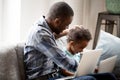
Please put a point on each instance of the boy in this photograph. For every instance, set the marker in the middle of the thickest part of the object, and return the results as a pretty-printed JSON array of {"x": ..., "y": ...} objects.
[{"x": 77, "y": 39}]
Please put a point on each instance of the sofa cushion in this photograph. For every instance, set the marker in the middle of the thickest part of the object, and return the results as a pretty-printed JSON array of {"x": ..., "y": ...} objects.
[
  {"x": 8, "y": 63},
  {"x": 111, "y": 46}
]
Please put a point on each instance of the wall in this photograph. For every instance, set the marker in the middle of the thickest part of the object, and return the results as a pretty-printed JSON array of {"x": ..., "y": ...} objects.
[
  {"x": 95, "y": 7},
  {"x": 77, "y": 6},
  {"x": 31, "y": 10}
]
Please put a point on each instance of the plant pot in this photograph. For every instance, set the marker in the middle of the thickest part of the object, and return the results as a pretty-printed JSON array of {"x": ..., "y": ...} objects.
[{"x": 113, "y": 6}]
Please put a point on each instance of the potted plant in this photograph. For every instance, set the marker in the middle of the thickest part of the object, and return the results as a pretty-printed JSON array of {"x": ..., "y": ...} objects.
[{"x": 113, "y": 6}]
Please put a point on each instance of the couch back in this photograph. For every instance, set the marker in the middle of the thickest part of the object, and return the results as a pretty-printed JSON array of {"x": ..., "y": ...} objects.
[{"x": 11, "y": 62}]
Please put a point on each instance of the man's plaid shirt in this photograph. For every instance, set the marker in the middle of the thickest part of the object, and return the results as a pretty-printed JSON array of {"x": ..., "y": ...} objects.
[{"x": 41, "y": 52}]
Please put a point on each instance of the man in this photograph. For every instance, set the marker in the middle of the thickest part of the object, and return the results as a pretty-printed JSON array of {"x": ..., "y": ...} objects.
[{"x": 42, "y": 57}]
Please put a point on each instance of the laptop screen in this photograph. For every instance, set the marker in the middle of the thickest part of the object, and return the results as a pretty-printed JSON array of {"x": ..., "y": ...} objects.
[{"x": 88, "y": 62}]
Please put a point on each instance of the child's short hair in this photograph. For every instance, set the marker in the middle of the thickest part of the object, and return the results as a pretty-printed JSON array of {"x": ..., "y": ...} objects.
[{"x": 78, "y": 34}]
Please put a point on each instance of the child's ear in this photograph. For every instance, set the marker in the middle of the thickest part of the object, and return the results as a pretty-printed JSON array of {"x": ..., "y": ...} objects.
[{"x": 71, "y": 42}]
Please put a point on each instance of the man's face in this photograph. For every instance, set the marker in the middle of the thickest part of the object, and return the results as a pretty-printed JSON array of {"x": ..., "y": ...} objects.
[{"x": 62, "y": 24}]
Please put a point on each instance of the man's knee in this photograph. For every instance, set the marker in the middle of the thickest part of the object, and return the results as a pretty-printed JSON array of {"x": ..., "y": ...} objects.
[
  {"x": 110, "y": 75},
  {"x": 85, "y": 78}
]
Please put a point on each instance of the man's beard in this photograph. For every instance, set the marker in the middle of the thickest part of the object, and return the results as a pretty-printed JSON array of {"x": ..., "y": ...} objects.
[{"x": 58, "y": 31}]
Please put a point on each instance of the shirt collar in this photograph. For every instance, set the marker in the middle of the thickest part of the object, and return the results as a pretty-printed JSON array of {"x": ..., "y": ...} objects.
[
  {"x": 43, "y": 22},
  {"x": 68, "y": 53}
]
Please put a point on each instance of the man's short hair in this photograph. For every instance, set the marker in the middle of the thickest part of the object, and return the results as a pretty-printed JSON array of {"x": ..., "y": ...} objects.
[
  {"x": 60, "y": 9},
  {"x": 79, "y": 34}
]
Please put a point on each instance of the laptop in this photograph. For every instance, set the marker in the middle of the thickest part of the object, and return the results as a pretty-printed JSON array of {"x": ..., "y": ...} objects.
[
  {"x": 107, "y": 65},
  {"x": 87, "y": 63}
]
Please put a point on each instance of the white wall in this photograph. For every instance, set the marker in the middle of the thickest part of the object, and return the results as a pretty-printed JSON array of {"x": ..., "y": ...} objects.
[
  {"x": 77, "y": 6},
  {"x": 31, "y": 10},
  {"x": 95, "y": 7}
]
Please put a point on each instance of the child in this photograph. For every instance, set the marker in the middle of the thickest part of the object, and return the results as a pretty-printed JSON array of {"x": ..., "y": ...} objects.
[
  {"x": 76, "y": 35},
  {"x": 77, "y": 39}
]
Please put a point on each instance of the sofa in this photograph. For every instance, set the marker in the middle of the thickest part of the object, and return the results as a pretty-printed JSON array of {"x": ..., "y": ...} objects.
[{"x": 11, "y": 62}]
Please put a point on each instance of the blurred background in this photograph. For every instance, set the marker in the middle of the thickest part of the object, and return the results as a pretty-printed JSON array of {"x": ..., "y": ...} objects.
[{"x": 17, "y": 16}]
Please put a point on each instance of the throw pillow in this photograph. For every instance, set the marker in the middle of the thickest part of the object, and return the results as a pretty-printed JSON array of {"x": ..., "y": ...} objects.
[{"x": 111, "y": 46}]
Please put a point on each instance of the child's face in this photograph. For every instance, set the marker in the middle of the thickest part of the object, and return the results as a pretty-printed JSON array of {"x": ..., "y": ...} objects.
[{"x": 78, "y": 46}]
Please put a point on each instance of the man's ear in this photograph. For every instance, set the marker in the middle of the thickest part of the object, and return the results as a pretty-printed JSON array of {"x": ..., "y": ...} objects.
[{"x": 57, "y": 21}]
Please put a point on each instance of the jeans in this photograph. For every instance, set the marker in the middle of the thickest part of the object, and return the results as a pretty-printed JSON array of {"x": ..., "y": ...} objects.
[
  {"x": 104, "y": 76},
  {"x": 98, "y": 76},
  {"x": 78, "y": 78},
  {"x": 84, "y": 78}
]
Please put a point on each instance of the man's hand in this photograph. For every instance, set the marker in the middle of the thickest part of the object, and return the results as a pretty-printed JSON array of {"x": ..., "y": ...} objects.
[
  {"x": 63, "y": 33},
  {"x": 96, "y": 69},
  {"x": 67, "y": 73}
]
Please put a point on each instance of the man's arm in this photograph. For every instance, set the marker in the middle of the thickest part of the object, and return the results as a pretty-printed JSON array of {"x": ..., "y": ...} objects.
[
  {"x": 47, "y": 45},
  {"x": 63, "y": 33}
]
